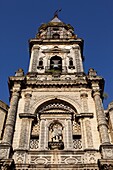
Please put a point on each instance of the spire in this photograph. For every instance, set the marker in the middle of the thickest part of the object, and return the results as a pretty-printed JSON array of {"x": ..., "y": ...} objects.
[
  {"x": 56, "y": 12},
  {"x": 55, "y": 18}
]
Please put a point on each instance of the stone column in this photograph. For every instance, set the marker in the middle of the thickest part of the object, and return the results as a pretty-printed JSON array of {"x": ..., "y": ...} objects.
[
  {"x": 110, "y": 110},
  {"x": 10, "y": 123},
  {"x": 101, "y": 119}
]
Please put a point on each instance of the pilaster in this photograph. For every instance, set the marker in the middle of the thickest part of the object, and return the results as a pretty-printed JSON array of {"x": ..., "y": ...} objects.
[
  {"x": 69, "y": 134},
  {"x": 88, "y": 139},
  {"x": 42, "y": 134}
]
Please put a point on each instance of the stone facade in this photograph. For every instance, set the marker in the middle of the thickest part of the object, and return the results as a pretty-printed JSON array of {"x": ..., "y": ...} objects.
[{"x": 56, "y": 119}]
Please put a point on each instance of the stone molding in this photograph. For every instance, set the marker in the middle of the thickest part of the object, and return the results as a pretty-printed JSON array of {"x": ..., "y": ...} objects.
[
  {"x": 84, "y": 115},
  {"x": 27, "y": 115}
]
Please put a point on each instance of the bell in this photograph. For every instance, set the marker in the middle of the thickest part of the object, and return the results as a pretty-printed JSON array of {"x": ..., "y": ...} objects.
[{"x": 55, "y": 65}]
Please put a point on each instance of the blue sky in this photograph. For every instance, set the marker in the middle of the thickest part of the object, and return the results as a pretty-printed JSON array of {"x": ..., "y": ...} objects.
[{"x": 92, "y": 20}]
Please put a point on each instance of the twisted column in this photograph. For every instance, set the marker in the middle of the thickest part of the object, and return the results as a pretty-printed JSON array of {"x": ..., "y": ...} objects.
[
  {"x": 10, "y": 123},
  {"x": 101, "y": 119}
]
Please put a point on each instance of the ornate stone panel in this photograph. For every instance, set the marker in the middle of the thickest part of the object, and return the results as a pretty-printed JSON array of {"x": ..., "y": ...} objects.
[
  {"x": 20, "y": 157},
  {"x": 89, "y": 134}
]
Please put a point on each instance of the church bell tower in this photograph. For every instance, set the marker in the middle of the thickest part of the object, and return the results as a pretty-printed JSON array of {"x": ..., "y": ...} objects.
[{"x": 56, "y": 118}]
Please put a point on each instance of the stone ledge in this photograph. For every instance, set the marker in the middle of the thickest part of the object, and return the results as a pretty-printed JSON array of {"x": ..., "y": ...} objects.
[
  {"x": 27, "y": 115},
  {"x": 82, "y": 115}
]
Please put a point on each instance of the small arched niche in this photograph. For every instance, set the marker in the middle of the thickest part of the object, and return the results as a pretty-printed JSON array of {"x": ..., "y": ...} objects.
[{"x": 56, "y": 136}]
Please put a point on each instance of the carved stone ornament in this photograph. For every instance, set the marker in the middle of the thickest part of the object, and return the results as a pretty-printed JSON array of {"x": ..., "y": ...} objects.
[
  {"x": 38, "y": 160},
  {"x": 105, "y": 164},
  {"x": 20, "y": 157},
  {"x": 71, "y": 161},
  {"x": 107, "y": 151},
  {"x": 3, "y": 153}
]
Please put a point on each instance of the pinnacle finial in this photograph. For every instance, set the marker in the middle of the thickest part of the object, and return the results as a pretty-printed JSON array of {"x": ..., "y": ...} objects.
[{"x": 56, "y": 12}]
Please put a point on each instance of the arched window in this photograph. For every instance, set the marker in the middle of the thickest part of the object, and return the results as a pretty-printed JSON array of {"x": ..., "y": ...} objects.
[
  {"x": 71, "y": 63},
  {"x": 40, "y": 64},
  {"x": 56, "y": 36},
  {"x": 56, "y": 63}
]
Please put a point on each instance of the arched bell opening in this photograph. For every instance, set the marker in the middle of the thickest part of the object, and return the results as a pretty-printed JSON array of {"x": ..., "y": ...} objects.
[{"x": 56, "y": 63}]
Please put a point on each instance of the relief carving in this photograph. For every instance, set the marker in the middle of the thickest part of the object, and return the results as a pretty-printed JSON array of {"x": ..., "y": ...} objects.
[
  {"x": 20, "y": 158},
  {"x": 3, "y": 153},
  {"x": 38, "y": 160},
  {"x": 71, "y": 160}
]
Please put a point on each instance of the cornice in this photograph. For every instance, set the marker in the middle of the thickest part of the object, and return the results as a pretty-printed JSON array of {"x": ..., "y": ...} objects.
[{"x": 83, "y": 115}]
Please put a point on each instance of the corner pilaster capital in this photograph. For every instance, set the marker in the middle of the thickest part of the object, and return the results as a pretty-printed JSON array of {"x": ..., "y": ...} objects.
[{"x": 96, "y": 92}]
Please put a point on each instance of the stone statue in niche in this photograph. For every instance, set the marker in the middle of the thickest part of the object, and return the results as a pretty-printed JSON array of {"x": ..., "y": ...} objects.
[{"x": 56, "y": 133}]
